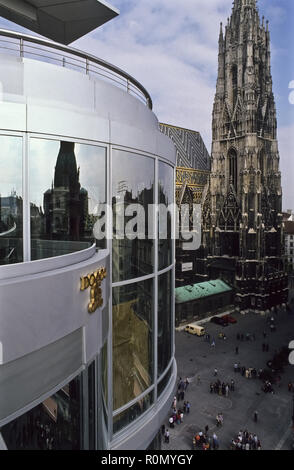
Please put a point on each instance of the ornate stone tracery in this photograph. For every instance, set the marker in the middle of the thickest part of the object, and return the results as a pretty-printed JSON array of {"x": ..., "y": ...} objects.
[{"x": 243, "y": 202}]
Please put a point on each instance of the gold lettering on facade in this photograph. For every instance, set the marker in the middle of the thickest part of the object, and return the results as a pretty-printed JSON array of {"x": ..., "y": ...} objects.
[{"x": 93, "y": 281}]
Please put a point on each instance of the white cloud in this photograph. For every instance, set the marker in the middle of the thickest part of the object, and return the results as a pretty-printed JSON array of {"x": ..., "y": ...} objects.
[{"x": 171, "y": 48}]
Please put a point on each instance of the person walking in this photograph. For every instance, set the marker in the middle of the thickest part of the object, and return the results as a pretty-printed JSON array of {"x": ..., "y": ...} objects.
[
  {"x": 255, "y": 416},
  {"x": 166, "y": 436},
  {"x": 215, "y": 441},
  {"x": 232, "y": 385},
  {"x": 188, "y": 407},
  {"x": 215, "y": 372},
  {"x": 198, "y": 380},
  {"x": 237, "y": 350},
  {"x": 174, "y": 403}
]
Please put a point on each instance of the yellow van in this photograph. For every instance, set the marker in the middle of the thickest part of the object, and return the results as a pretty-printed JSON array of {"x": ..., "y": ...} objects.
[{"x": 195, "y": 329}]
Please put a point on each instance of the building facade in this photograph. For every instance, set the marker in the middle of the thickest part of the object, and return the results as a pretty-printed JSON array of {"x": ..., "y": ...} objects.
[
  {"x": 86, "y": 326},
  {"x": 289, "y": 240},
  {"x": 242, "y": 212},
  {"x": 193, "y": 168}
]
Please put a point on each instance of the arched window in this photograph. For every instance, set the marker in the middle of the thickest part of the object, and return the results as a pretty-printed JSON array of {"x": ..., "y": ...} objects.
[{"x": 232, "y": 156}]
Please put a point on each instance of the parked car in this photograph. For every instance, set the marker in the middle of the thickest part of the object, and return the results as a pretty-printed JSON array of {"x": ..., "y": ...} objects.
[
  {"x": 229, "y": 319},
  {"x": 219, "y": 321}
]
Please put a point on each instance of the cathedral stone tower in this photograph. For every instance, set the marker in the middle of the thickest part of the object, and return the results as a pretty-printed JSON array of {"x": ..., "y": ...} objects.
[{"x": 242, "y": 211}]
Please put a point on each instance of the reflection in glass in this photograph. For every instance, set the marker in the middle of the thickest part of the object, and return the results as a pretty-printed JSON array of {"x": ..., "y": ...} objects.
[
  {"x": 164, "y": 321},
  {"x": 128, "y": 416},
  {"x": 67, "y": 184},
  {"x": 54, "y": 424},
  {"x": 11, "y": 203},
  {"x": 165, "y": 197},
  {"x": 132, "y": 183},
  {"x": 163, "y": 383},
  {"x": 132, "y": 315},
  {"x": 104, "y": 374}
]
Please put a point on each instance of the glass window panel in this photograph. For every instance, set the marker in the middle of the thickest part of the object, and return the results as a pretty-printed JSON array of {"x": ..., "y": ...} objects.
[
  {"x": 67, "y": 184},
  {"x": 128, "y": 416},
  {"x": 92, "y": 405},
  {"x": 164, "y": 340},
  {"x": 165, "y": 198},
  {"x": 54, "y": 424},
  {"x": 104, "y": 373},
  {"x": 132, "y": 315},
  {"x": 132, "y": 183},
  {"x": 163, "y": 383},
  {"x": 11, "y": 203}
]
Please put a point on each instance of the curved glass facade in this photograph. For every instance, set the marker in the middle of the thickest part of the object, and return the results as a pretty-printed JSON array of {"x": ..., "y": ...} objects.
[
  {"x": 142, "y": 313},
  {"x": 11, "y": 200},
  {"x": 164, "y": 319},
  {"x": 165, "y": 198},
  {"x": 67, "y": 184},
  {"x": 133, "y": 326},
  {"x": 132, "y": 200}
]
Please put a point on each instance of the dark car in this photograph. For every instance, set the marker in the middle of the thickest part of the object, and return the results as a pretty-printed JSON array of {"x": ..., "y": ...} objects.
[
  {"x": 229, "y": 319},
  {"x": 219, "y": 321}
]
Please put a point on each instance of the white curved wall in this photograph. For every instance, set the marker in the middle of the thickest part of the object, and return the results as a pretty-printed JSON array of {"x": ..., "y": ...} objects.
[
  {"x": 41, "y": 304},
  {"x": 48, "y": 99}
]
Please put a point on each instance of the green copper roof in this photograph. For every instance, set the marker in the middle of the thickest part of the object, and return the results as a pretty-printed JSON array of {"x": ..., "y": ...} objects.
[{"x": 198, "y": 291}]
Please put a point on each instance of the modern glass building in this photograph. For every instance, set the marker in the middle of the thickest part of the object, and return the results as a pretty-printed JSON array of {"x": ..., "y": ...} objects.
[{"x": 86, "y": 324}]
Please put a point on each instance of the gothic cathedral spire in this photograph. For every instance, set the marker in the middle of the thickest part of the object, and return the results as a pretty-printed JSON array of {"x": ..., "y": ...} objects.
[{"x": 242, "y": 222}]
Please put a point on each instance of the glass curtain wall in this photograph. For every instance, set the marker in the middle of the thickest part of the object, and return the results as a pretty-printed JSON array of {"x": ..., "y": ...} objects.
[
  {"x": 55, "y": 424},
  {"x": 165, "y": 198},
  {"x": 67, "y": 185},
  {"x": 11, "y": 200},
  {"x": 164, "y": 322},
  {"x": 133, "y": 328},
  {"x": 133, "y": 315},
  {"x": 132, "y": 195}
]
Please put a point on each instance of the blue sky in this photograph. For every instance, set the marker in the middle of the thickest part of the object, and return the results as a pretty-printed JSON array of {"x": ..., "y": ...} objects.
[{"x": 170, "y": 46}]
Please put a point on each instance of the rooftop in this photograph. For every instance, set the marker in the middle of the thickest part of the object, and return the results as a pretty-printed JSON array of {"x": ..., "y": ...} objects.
[
  {"x": 63, "y": 21},
  {"x": 200, "y": 290}
]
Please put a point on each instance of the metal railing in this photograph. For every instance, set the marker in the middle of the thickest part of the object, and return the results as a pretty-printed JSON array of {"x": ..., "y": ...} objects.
[{"x": 44, "y": 50}]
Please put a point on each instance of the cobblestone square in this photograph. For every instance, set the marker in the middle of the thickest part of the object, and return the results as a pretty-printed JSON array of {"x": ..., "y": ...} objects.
[{"x": 196, "y": 357}]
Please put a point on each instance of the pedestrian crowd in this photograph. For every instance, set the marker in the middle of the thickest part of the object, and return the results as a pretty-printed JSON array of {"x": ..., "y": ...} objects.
[
  {"x": 203, "y": 441},
  {"x": 177, "y": 414},
  {"x": 248, "y": 372},
  {"x": 222, "y": 388},
  {"x": 245, "y": 441}
]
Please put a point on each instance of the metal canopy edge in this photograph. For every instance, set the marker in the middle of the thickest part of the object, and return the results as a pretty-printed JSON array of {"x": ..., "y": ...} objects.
[{"x": 63, "y": 21}]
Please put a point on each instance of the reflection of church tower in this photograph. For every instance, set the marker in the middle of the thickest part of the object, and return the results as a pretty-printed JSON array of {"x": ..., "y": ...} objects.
[
  {"x": 242, "y": 210},
  {"x": 66, "y": 204}
]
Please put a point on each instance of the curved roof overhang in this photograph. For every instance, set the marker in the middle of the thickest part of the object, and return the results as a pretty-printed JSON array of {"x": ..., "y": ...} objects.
[{"x": 63, "y": 21}]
